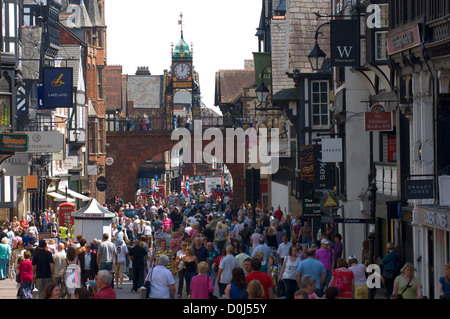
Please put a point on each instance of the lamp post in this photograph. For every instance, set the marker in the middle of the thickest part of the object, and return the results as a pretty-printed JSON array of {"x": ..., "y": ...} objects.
[
  {"x": 316, "y": 57},
  {"x": 372, "y": 226}
]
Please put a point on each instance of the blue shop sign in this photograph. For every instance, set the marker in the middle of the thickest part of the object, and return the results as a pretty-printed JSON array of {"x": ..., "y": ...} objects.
[{"x": 58, "y": 86}]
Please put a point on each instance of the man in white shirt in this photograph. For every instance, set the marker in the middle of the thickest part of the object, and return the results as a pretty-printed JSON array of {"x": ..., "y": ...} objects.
[
  {"x": 226, "y": 266},
  {"x": 283, "y": 250},
  {"x": 162, "y": 282}
]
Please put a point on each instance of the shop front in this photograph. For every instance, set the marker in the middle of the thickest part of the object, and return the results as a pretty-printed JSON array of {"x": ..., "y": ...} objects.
[{"x": 435, "y": 232}]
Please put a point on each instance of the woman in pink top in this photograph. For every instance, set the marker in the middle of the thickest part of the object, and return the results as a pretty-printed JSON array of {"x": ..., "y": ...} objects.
[
  {"x": 167, "y": 222},
  {"x": 25, "y": 273},
  {"x": 201, "y": 285},
  {"x": 343, "y": 278}
]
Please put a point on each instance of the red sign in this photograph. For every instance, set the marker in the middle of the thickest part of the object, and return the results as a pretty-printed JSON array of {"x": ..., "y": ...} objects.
[
  {"x": 392, "y": 149},
  {"x": 404, "y": 40},
  {"x": 65, "y": 214},
  {"x": 378, "y": 121}
]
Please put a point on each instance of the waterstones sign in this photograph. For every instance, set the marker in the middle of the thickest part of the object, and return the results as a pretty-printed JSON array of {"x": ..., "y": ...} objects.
[
  {"x": 344, "y": 39},
  {"x": 58, "y": 87}
]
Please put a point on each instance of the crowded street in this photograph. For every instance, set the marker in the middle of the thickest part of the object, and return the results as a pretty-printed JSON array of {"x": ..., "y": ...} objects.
[{"x": 225, "y": 157}]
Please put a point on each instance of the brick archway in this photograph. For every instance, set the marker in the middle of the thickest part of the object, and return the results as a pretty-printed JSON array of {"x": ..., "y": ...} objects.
[{"x": 130, "y": 150}]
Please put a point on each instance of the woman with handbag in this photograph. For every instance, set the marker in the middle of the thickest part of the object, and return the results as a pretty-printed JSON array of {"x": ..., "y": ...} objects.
[
  {"x": 406, "y": 284},
  {"x": 24, "y": 277}
]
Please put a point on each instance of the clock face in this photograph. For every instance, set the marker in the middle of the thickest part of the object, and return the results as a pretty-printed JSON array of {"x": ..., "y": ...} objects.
[{"x": 182, "y": 71}]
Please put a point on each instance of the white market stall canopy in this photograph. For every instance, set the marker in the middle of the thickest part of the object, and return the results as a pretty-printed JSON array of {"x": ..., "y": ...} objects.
[{"x": 93, "y": 210}]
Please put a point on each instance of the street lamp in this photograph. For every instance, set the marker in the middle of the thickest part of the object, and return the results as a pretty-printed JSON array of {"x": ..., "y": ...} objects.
[
  {"x": 262, "y": 92},
  {"x": 316, "y": 57}
]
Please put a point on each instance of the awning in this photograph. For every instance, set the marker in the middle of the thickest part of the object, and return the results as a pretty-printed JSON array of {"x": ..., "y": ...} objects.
[
  {"x": 60, "y": 198},
  {"x": 75, "y": 194}
]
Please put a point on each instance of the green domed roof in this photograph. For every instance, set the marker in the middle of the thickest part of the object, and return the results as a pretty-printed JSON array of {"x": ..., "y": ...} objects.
[{"x": 182, "y": 50}]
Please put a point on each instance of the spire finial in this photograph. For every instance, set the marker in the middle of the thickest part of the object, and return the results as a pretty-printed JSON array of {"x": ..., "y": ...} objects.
[{"x": 180, "y": 22}]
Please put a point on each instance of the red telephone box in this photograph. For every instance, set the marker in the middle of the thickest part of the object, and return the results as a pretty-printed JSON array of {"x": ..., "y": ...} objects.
[
  {"x": 65, "y": 214},
  {"x": 162, "y": 191}
]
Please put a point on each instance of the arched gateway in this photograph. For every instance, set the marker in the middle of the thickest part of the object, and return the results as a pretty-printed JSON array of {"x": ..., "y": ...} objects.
[{"x": 130, "y": 150}]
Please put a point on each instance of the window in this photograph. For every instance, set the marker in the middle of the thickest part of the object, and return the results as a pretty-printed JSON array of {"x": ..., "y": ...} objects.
[
  {"x": 385, "y": 20},
  {"x": 380, "y": 46},
  {"x": 320, "y": 114},
  {"x": 100, "y": 83},
  {"x": 91, "y": 138},
  {"x": 363, "y": 52}
]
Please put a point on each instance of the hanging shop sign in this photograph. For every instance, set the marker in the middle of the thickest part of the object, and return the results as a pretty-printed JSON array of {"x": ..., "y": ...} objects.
[
  {"x": 307, "y": 164},
  {"x": 58, "y": 88},
  {"x": 332, "y": 150},
  {"x": 45, "y": 142},
  {"x": 403, "y": 40},
  {"x": 101, "y": 183},
  {"x": 13, "y": 142},
  {"x": 286, "y": 170},
  {"x": 419, "y": 189},
  {"x": 16, "y": 165},
  {"x": 344, "y": 43},
  {"x": 378, "y": 119},
  {"x": 323, "y": 172}
]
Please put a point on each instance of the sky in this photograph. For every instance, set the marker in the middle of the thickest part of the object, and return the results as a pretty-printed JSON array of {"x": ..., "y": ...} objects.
[{"x": 140, "y": 33}]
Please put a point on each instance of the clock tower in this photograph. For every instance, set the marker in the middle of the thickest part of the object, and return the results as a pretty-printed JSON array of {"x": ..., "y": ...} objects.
[{"x": 182, "y": 89}]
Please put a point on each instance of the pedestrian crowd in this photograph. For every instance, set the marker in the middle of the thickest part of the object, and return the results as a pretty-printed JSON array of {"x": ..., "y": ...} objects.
[{"x": 177, "y": 245}]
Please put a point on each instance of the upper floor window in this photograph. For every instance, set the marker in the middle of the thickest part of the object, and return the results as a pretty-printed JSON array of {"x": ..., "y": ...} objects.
[{"x": 320, "y": 101}]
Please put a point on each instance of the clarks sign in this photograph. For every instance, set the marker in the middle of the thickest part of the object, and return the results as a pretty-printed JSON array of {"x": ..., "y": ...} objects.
[{"x": 404, "y": 40}]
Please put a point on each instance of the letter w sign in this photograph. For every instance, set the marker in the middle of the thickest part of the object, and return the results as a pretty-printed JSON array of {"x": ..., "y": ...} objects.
[{"x": 344, "y": 43}]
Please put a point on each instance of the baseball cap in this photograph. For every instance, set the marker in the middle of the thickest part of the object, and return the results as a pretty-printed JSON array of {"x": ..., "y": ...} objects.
[{"x": 325, "y": 241}]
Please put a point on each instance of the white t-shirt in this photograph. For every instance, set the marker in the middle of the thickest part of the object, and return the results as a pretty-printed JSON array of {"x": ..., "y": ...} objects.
[
  {"x": 147, "y": 230},
  {"x": 180, "y": 255},
  {"x": 359, "y": 274},
  {"x": 160, "y": 278},
  {"x": 227, "y": 264},
  {"x": 122, "y": 250}
]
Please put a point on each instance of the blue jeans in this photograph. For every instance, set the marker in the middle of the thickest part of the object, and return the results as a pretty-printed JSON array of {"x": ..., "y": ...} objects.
[
  {"x": 291, "y": 287},
  {"x": 212, "y": 274},
  {"x": 327, "y": 281},
  {"x": 3, "y": 268},
  {"x": 188, "y": 275}
]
